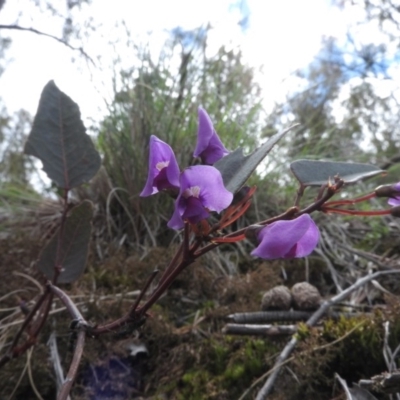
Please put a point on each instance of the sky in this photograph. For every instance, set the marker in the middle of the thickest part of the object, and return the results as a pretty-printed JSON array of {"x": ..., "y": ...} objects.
[
  {"x": 277, "y": 38},
  {"x": 280, "y": 37}
]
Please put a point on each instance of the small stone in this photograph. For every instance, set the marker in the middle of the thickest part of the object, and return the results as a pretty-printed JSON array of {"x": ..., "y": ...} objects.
[
  {"x": 278, "y": 298},
  {"x": 306, "y": 297}
]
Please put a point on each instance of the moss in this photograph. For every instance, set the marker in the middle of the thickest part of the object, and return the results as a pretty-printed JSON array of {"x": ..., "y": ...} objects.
[
  {"x": 224, "y": 368},
  {"x": 234, "y": 373},
  {"x": 351, "y": 347},
  {"x": 303, "y": 331}
]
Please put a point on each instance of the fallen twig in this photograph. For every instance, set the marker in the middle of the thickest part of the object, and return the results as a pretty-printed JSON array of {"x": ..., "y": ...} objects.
[
  {"x": 264, "y": 330},
  {"x": 261, "y": 317}
]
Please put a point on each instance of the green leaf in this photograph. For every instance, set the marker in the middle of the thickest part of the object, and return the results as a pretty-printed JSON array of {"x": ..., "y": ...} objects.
[
  {"x": 58, "y": 138},
  {"x": 236, "y": 168},
  {"x": 317, "y": 173},
  {"x": 70, "y": 251}
]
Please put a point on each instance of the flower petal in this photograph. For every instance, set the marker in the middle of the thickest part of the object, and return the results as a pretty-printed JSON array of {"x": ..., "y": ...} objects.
[
  {"x": 213, "y": 194},
  {"x": 163, "y": 168},
  {"x": 309, "y": 241},
  {"x": 288, "y": 239},
  {"x": 201, "y": 190},
  {"x": 194, "y": 211},
  {"x": 176, "y": 221},
  {"x": 209, "y": 146}
]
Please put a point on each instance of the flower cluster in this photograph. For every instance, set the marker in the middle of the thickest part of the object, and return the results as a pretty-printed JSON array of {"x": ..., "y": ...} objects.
[{"x": 200, "y": 190}]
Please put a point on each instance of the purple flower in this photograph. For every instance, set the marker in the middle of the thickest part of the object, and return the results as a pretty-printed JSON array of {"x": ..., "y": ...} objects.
[
  {"x": 202, "y": 190},
  {"x": 163, "y": 168},
  {"x": 395, "y": 200},
  {"x": 287, "y": 239},
  {"x": 209, "y": 146}
]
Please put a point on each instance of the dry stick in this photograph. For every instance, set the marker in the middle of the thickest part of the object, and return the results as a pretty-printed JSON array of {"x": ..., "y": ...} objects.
[
  {"x": 11, "y": 397},
  {"x": 263, "y": 330},
  {"x": 73, "y": 369},
  {"x": 268, "y": 386},
  {"x": 30, "y": 375},
  {"x": 80, "y": 343},
  {"x": 262, "y": 317},
  {"x": 55, "y": 360}
]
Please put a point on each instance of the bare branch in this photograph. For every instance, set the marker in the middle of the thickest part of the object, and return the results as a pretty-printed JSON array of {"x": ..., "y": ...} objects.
[{"x": 33, "y": 30}]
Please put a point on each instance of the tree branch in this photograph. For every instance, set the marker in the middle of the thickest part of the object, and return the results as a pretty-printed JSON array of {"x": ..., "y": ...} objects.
[{"x": 33, "y": 30}]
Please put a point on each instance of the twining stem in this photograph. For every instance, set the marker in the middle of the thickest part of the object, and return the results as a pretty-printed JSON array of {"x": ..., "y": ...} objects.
[
  {"x": 142, "y": 293},
  {"x": 131, "y": 316},
  {"x": 42, "y": 317},
  {"x": 172, "y": 264},
  {"x": 165, "y": 284},
  {"x": 69, "y": 304}
]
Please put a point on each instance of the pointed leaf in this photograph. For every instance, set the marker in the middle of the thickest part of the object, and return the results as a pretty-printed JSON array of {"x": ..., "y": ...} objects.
[
  {"x": 58, "y": 138},
  {"x": 72, "y": 254},
  {"x": 236, "y": 168},
  {"x": 317, "y": 173}
]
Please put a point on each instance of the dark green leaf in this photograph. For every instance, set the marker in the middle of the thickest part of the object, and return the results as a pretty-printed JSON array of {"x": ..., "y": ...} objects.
[
  {"x": 236, "y": 168},
  {"x": 317, "y": 173},
  {"x": 58, "y": 138},
  {"x": 72, "y": 253}
]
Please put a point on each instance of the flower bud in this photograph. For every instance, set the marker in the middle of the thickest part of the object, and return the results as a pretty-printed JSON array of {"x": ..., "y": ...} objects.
[
  {"x": 251, "y": 233},
  {"x": 386, "y": 191},
  {"x": 395, "y": 211},
  {"x": 391, "y": 191}
]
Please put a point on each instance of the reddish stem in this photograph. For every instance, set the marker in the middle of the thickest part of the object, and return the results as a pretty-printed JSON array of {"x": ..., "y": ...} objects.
[
  {"x": 352, "y": 201},
  {"x": 142, "y": 293},
  {"x": 233, "y": 239},
  {"x": 356, "y": 212}
]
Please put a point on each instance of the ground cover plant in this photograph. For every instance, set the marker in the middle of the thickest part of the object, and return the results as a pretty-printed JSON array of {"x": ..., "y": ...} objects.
[{"x": 209, "y": 196}]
